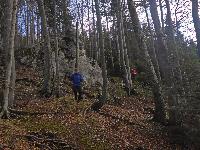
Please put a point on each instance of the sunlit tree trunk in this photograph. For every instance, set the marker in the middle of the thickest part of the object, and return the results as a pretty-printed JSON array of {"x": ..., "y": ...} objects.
[
  {"x": 102, "y": 54},
  {"x": 162, "y": 15},
  {"x": 32, "y": 24}
]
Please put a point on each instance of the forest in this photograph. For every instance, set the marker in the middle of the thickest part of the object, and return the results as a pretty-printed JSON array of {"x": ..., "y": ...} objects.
[{"x": 99, "y": 75}]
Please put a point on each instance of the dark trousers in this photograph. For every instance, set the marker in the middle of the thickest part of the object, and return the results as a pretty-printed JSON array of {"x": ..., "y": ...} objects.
[{"x": 77, "y": 92}]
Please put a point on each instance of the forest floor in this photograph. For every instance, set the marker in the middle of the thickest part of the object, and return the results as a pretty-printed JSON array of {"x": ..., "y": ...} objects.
[{"x": 61, "y": 123}]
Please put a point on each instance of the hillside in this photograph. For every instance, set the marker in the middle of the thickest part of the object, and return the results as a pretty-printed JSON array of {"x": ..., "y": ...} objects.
[{"x": 62, "y": 123}]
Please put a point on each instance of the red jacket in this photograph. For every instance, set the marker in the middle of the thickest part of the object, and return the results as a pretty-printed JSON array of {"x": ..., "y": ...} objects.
[{"x": 134, "y": 72}]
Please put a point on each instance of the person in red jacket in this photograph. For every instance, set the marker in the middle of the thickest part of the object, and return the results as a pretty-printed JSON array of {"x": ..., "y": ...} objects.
[{"x": 134, "y": 72}]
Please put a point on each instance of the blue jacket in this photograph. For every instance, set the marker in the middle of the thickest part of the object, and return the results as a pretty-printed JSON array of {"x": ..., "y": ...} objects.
[{"x": 76, "y": 79}]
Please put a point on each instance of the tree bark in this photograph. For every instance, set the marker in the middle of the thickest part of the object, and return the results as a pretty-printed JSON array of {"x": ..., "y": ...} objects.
[
  {"x": 162, "y": 16},
  {"x": 11, "y": 19},
  {"x": 102, "y": 53},
  {"x": 55, "y": 32},
  {"x": 77, "y": 46},
  {"x": 123, "y": 51},
  {"x": 154, "y": 56},
  {"x": 177, "y": 78},
  {"x": 159, "y": 114},
  {"x": 47, "y": 48},
  {"x": 196, "y": 21},
  {"x": 161, "y": 47}
]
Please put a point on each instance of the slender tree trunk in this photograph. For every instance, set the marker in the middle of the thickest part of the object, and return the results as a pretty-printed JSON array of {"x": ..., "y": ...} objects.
[
  {"x": 154, "y": 57},
  {"x": 38, "y": 26},
  {"x": 162, "y": 16},
  {"x": 162, "y": 49},
  {"x": 117, "y": 42},
  {"x": 27, "y": 25},
  {"x": 65, "y": 14},
  {"x": 102, "y": 54},
  {"x": 109, "y": 39},
  {"x": 169, "y": 74},
  {"x": 32, "y": 25},
  {"x": 12, "y": 83},
  {"x": 90, "y": 40},
  {"x": 11, "y": 19},
  {"x": 123, "y": 50},
  {"x": 174, "y": 58},
  {"x": 196, "y": 20},
  {"x": 82, "y": 25},
  {"x": 47, "y": 48},
  {"x": 159, "y": 114},
  {"x": 174, "y": 62},
  {"x": 77, "y": 46},
  {"x": 95, "y": 36},
  {"x": 55, "y": 30}
]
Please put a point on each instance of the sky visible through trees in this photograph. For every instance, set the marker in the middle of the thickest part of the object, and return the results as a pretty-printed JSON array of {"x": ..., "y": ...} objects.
[{"x": 181, "y": 15}]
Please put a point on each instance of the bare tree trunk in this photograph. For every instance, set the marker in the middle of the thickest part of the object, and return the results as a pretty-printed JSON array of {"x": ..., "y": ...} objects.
[
  {"x": 162, "y": 16},
  {"x": 90, "y": 40},
  {"x": 173, "y": 57},
  {"x": 32, "y": 24},
  {"x": 117, "y": 42},
  {"x": 196, "y": 21},
  {"x": 123, "y": 51},
  {"x": 101, "y": 47},
  {"x": 27, "y": 25},
  {"x": 77, "y": 46},
  {"x": 109, "y": 39},
  {"x": 169, "y": 74},
  {"x": 162, "y": 49},
  {"x": 95, "y": 39},
  {"x": 55, "y": 30},
  {"x": 82, "y": 25},
  {"x": 12, "y": 83},
  {"x": 174, "y": 61},
  {"x": 160, "y": 114},
  {"x": 47, "y": 48},
  {"x": 154, "y": 57},
  {"x": 11, "y": 18},
  {"x": 38, "y": 26},
  {"x": 65, "y": 21}
]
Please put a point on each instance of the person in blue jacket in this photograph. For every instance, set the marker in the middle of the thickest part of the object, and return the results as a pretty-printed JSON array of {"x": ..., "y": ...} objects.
[{"x": 77, "y": 79}]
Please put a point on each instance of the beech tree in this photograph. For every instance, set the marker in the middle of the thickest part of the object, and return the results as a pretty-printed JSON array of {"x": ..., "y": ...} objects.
[
  {"x": 102, "y": 53},
  {"x": 196, "y": 20},
  {"x": 160, "y": 112},
  {"x": 8, "y": 46},
  {"x": 47, "y": 48}
]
